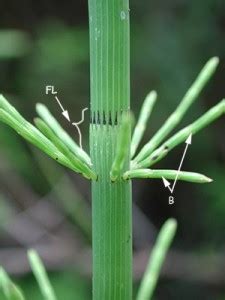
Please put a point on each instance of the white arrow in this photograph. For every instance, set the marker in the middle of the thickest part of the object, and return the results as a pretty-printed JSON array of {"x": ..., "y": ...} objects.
[
  {"x": 165, "y": 181},
  {"x": 76, "y": 124},
  {"x": 64, "y": 112},
  {"x": 189, "y": 139},
  {"x": 166, "y": 184}
]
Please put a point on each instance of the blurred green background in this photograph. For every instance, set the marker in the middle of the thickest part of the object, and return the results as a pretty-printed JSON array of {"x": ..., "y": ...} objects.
[{"x": 46, "y": 207}]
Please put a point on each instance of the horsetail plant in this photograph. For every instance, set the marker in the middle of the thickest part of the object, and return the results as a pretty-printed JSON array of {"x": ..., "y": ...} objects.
[{"x": 113, "y": 161}]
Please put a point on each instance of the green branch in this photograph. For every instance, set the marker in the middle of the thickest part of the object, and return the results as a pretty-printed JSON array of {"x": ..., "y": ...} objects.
[
  {"x": 145, "y": 113},
  {"x": 123, "y": 147},
  {"x": 46, "y": 115},
  {"x": 35, "y": 137},
  {"x": 177, "y": 115},
  {"x": 209, "y": 117},
  {"x": 157, "y": 258},
  {"x": 10, "y": 116},
  {"x": 10, "y": 290},
  {"x": 41, "y": 276},
  {"x": 78, "y": 164},
  {"x": 168, "y": 174}
]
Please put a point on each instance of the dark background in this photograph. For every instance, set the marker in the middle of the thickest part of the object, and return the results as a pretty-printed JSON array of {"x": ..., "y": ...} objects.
[{"x": 46, "y": 207}]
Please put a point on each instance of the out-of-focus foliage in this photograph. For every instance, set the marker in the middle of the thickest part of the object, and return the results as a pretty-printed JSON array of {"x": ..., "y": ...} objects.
[
  {"x": 65, "y": 283},
  {"x": 14, "y": 44}
]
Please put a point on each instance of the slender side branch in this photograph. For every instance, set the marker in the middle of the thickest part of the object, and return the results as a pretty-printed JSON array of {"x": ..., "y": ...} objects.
[
  {"x": 53, "y": 147},
  {"x": 157, "y": 258},
  {"x": 6, "y": 106},
  {"x": 168, "y": 174},
  {"x": 123, "y": 147},
  {"x": 145, "y": 113},
  {"x": 34, "y": 136},
  {"x": 209, "y": 117},
  {"x": 177, "y": 115},
  {"x": 79, "y": 165},
  {"x": 10, "y": 290},
  {"x": 46, "y": 115},
  {"x": 41, "y": 276}
]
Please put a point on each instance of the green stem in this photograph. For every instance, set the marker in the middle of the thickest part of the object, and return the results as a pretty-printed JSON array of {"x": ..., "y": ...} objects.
[{"x": 110, "y": 97}]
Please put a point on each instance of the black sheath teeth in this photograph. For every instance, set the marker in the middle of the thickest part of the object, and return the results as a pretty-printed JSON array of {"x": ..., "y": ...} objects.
[
  {"x": 98, "y": 118},
  {"x": 104, "y": 118},
  {"x": 110, "y": 118},
  {"x": 116, "y": 119},
  {"x": 93, "y": 121}
]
